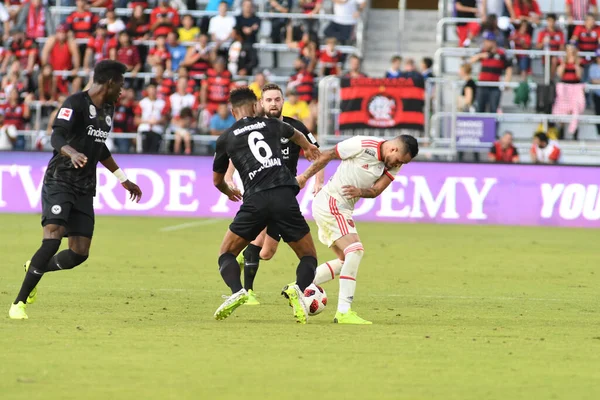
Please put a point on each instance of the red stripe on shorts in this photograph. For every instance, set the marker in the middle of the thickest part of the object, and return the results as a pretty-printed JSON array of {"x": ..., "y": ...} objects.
[{"x": 339, "y": 217}]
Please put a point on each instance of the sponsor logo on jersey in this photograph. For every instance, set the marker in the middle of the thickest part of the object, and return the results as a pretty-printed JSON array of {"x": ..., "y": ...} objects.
[
  {"x": 108, "y": 120},
  {"x": 286, "y": 153},
  {"x": 56, "y": 209},
  {"x": 285, "y": 140},
  {"x": 247, "y": 128},
  {"x": 99, "y": 134},
  {"x": 370, "y": 152},
  {"x": 350, "y": 222},
  {"x": 366, "y": 166},
  {"x": 92, "y": 111},
  {"x": 65, "y": 113}
]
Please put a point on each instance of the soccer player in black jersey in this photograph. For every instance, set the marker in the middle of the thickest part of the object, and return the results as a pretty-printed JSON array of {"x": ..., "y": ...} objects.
[
  {"x": 80, "y": 129},
  {"x": 265, "y": 245},
  {"x": 254, "y": 146}
]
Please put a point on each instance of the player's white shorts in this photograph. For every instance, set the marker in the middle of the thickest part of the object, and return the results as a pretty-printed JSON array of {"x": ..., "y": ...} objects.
[{"x": 333, "y": 218}]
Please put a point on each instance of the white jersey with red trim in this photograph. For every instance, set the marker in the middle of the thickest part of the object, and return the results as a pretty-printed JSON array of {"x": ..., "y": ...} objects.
[
  {"x": 549, "y": 153},
  {"x": 362, "y": 165}
]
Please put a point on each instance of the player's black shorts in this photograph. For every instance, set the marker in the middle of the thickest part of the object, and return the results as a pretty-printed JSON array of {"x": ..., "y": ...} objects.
[
  {"x": 277, "y": 208},
  {"x": 60, "y": 206},
  {"x": 273, "y": 231}
]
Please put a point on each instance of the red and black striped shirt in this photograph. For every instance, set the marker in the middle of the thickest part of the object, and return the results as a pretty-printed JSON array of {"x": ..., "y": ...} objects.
[
  {"x": 501, "y": 154},
  {"x": 219, "y": 85},
  {"x": 557, "y": 39},
  {"x": 82, "y": 24},
  {"x": 493, "y": 66},
  {"x": 201, "y": 66},
  {"x": 570, "y": 74},
  {"x": 13, "y": 115},
  {"x": 586, "y": 41},
  {"x": 304, "y": 83}
]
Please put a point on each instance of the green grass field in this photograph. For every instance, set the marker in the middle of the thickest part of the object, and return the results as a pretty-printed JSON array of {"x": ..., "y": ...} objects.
[{"x": 459, "y": 312}]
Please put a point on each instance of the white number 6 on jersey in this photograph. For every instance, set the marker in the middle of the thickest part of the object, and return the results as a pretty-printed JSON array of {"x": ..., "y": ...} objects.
[{"x": 256, "y": 143}]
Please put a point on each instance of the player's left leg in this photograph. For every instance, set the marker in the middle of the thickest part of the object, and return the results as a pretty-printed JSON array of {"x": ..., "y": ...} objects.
[
  {"x": 263, "y": 248},
  {"x": 329, "y": 270}
]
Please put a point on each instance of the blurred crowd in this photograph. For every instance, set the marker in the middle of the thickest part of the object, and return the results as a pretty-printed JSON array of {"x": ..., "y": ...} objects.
[{"x": 180, "y": 67}]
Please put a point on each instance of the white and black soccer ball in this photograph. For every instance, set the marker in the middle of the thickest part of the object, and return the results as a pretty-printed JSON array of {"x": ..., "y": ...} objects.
[{"x": 315, "y": 299}]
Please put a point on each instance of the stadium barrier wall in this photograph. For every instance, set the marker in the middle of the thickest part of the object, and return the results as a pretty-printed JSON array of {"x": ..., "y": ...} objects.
[{"x": 423, "y": 192}]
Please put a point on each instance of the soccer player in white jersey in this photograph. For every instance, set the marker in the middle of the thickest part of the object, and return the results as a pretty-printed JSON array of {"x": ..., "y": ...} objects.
[{"x": 368, "y": 167}]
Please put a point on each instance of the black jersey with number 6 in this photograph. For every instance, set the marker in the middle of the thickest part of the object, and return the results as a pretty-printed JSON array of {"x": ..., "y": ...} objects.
[
  {"x": 254, "y": 146},
  {"x": 290, "y": 150},
  {"x": 85, "y": 128}
]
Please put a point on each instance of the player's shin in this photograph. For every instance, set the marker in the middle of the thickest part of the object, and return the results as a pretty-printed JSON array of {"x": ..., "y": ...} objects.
[
  {"x": 354, "y": 254},
  {"x": 230, "y": 272},
  {"x": 305, "y": 273},
  {"x": 328, "y": 271},
  {"x": 66, "y": 259},
  {"x": 251, "y": 262},
  {"x": 37, "y": 267}
]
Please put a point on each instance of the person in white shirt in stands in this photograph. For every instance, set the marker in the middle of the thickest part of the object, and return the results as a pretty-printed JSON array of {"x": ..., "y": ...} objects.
[
  {"x": 346, "y": 14},
  {"x": 220, "y": 28},
  {"x": 151, "y": 116},
  {"x": 8, "y": 134},
  {"x": 179, "y": 126},
  {"x": 368, "y": 166},
  {"x": 545, "y": 151}
]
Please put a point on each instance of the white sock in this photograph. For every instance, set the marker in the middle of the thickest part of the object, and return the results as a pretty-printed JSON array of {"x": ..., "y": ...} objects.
[
  {"x": 328, "y": 271},
  {"x": 354, "y": 253}
]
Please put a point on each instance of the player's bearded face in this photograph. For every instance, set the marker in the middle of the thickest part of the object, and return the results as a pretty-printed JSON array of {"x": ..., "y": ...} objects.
[
  {"x": 396, "y": 159},
  {"x": 272, "y": 103}
]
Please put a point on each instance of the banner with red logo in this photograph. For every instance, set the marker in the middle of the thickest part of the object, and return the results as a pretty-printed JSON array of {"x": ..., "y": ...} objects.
[{"x": 376, "y": 104}]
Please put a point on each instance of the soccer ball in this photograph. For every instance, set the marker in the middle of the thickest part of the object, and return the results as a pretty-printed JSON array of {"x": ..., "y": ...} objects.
[{"x": 315, "y": 299}]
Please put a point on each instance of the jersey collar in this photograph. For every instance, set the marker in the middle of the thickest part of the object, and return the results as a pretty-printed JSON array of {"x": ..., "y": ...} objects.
[{"x": 379, "y": 152}]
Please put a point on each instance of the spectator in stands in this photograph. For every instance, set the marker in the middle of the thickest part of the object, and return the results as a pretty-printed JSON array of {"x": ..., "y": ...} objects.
[
  {"x": 163, "y": 19},
  {"x": 346, "y": 14},
  {"x": 198, "y": 57},
  {"x": 16, "y": 114},
  {"x": 527, "y": 10},
  {"x": 576, "y": 11},
  {"x": 395, "y": 68},
  {"x": 466, "y": 31},
  {"x": 545, "y": 151},
  {"x": 221, "y": 121},
  {"x": 498, "y": 8},
  {"x": 176, "y": 50},
  {"x": 47, "y": 83},
  {"x": 503, "y": 150},
  {"x": 35, "y": 20},
  {"x": 151, "y": 118},
  {"x": 114, "y": 25},
  {"x": 410, "y": 72},
  {"x": 242, "y": 56},
  {"x": 595, "y": 80},
  {"x": 24, "y": 50},
  {"x": 310, "y": 52},
  {"x": 127, "y": 53},
  {"x": 102, "y": 3},
  {"x": 98, "y": 48},
  {"x": 165, "y": 86},
  {"x": 8, "y": 134},
  {"x": 490, "y": 24},
  {"x": 354, "y": 67},
  {"x": 311, "y": 8},
  {"x": 82, "y": 23},
  {"x": 14, "y": 79},
  {"x": 587, "y": 37},
  {"x": 494, "y": 63},
  {"x": 553, "y": 39},
  {"x": 182, "y": 99},
  {"x": 220, "y": 29},
  {"x": 570, "y": 97},
  {"x": 62, "y": 53},
  {"x": 294, "y": 107},
  {"x": 259, "y": 81},
  {"x": 466, "y": 102},
  {"x": 213, "y": 6},
  {"x": 188, "y": 31},
  {"x": 124, "y": 120},
  {"x": 278, "y": 25},
  {"x": 330, "y": 59},
  {"x": 303, "y": 81},
  {"x": 427, "y": 68},
  {"x": 138, "y": 25},
  {"x": 182, "y": 129},
  {"x": 192, "y": 84},
  {"x": 248, "y": 22},
  {"x": 159, "y": 55},
  {"x": 521, "y": 40},
  {"x": 215, "y": 89}
]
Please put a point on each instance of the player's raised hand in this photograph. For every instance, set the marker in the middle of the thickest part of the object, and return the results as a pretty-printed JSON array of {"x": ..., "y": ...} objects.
[
  {"x": 234, "y": 194},
  {"x": 79, "y": 160},
  {"x": 350, "y": 191},
  {"x": 135, "y": 193},
  {"x": 312, "y": 152}
]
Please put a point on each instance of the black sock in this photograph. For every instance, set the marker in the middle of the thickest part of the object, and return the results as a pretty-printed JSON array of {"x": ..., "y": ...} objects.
[
  {"x": 230, "y": 271},
  {"x": 251, "y": 261},
  {"x": 305, "y": 273},
  {"x": 37, "y": 268},
  {"x": 66, "y": 259}
]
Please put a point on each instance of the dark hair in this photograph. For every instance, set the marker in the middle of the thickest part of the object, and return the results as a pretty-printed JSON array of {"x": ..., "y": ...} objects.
[
  {"x": 107, "y": 70},
  {"x": 428, "y": 62},
  {"x": 396, "y": 58},
  {"x": 242, "y": 96},
  {"x": 272, "y": 86},
  {"x": 551, "y": 16},
  {"x": 186, "y": 112},
  {"x": 542, "y": 137},
  {"x": 411, "y": 144}
]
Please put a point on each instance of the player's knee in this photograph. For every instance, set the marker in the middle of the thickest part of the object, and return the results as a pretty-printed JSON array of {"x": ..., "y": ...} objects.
[
  {"x": 266, "y": 254},
  {"x": 72, "y": 259},
  {"x": 356, "y": 249}
]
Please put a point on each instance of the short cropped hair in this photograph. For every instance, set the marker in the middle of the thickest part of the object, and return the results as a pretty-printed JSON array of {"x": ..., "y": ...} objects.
[
  {"x": 411, "y": 144},
  {"x": 242, "y": 96},
  {"x": 272, "y": 86},
  {"x": 542, "y": 137},
  {"x": 107, "y": 70},
  {"x": 551, "y": 16}
]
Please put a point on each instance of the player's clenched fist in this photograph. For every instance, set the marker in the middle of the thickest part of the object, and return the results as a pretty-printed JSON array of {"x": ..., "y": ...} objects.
[
  {"x": 312, "y": 152},
  {"x": 79, "y": 160}
]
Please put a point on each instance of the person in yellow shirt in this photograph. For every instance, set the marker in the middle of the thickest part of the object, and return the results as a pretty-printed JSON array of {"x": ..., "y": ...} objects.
[
  {"x": 188, "y": 32},
  {"x": 257, "y": 85},
  {"x": 294, "y": 107}
]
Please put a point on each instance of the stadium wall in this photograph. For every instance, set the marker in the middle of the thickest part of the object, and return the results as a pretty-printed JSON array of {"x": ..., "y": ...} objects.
[{"x": 181, "y": 186}]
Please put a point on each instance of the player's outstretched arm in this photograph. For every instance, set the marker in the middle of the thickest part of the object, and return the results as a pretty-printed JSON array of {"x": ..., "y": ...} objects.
[
  {"x": 370, "y": 193},
  {"x": 234, "y": 194},
  {"x": 317, "y": 166},
  {"x": 310, "y": 150},
  {"x": 229, "y": 175},
  {"x": 134, "y": 190}
]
